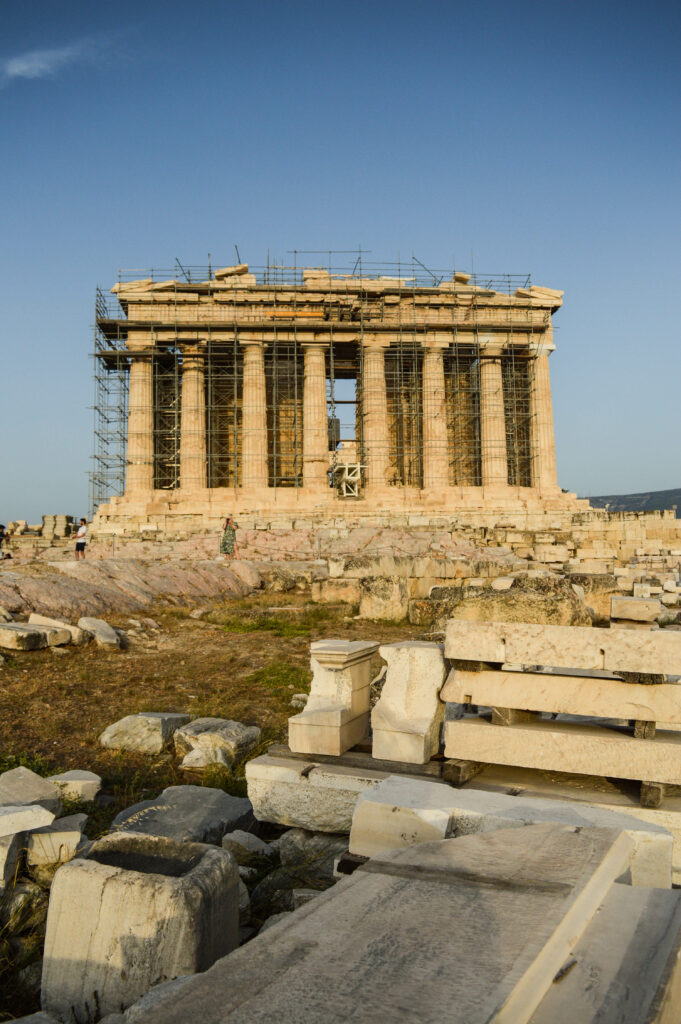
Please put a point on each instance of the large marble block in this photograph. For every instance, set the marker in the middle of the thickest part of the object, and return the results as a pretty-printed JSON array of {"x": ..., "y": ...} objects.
[
  {"x": 570, "y": 647},
  {"x": 336, "y": 716},
  {"x": 407, "y": 718}
]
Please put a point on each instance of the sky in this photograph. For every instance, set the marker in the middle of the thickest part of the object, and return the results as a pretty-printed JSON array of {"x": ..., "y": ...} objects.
[{"x": 525, "y": 138}]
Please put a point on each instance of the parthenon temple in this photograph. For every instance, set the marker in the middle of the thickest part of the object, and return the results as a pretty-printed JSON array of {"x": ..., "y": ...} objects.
[{"x": 327, "y": 391}]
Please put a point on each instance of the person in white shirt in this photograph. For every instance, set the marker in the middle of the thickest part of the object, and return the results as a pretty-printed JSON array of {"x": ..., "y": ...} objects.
[{"x": 81, "y": 539}]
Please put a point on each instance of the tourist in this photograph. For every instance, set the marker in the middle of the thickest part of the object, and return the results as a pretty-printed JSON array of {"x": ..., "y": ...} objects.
[
  {"x": 81, "y": 539},
  {"x": 3, "y": 539},
  {"x": 228, "y": 542}
]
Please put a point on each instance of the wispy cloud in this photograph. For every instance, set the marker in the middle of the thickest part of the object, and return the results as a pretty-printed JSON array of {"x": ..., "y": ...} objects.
[{"x": 44, "y": 63}]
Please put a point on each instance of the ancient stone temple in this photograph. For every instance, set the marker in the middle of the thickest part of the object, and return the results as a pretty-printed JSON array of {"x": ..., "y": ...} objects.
[{"x": 306, "y": 390}]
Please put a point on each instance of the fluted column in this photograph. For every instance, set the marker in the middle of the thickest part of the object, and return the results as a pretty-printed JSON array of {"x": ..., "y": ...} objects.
[
  {"x": 435, "y": 447},
  {"x": 254, "y": 417},
  {"x": 315, "y": 418},
  {"x": 492, "y": 423},
  {"x": 544, "y": 445},
  {"x": 140, "y": 441},
  {"x": 375, "y": 415},
  {"x": 193, "y": 424}
]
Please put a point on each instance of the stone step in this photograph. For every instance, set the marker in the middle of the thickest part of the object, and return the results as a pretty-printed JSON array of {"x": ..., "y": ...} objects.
[
  {"x": 565, "y": 694},
  {"x": 567, "y": 747}
]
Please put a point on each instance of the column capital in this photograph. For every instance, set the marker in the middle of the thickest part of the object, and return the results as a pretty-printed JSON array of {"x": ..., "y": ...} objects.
[
  {"x": 375, "y": 341},
  {"x": 251, "y": 342}
]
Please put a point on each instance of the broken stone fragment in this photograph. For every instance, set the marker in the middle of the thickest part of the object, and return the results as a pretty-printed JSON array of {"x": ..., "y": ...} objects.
[
  {"x": 104, "y": 634},
  {"x": 23, "y": 818},
  {"x": 149, "y": 732},
  {"x": 17, "y": 637},
  {"x": 187, "y": 813},
  {"x": 22, "y": 786},
  {"x": 77, "y": 784},
  {"x": 208, "y": 741},
  {"x": 10, "y": 850},
  {"x": 246, "y": 847},
  {"x": 77, "y": 635},
  {"x": 53, "y": 845}
]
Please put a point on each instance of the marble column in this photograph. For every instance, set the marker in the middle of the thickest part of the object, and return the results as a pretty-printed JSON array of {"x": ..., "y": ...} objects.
[
  {"x": 315, "y": 418},
  {"x": 492, "y": 423},
  {"x": 434, "y": 431},
  {"x": 254, "y": 417},
  {"x": 140, "y": 440},
  {"x": 544, "y": 446},
  {"x": 375, "y": 415},
  {"x": 193, "y": 424}
]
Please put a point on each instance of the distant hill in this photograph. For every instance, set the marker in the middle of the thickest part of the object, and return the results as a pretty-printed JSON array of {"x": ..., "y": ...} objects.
[{"x": 644, "y": 502}]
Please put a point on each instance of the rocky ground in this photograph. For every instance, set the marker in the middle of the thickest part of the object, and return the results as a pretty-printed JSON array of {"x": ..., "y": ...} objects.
[{"x": 241, "y": 659}]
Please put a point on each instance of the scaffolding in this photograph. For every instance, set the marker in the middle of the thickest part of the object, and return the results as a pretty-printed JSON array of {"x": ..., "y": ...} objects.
[{"x": 388, "y": 297}]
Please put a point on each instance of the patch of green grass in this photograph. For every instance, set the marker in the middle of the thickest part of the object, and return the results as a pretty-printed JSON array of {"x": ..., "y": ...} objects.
[
  {"x": 36, "y": 762},
  {"x": 281, "y": 676},
  {"x": 282, "y": 625}
]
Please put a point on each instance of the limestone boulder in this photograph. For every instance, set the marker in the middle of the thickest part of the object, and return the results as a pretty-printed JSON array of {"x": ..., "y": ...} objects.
[
  {"x": 187, "y": 814},
  {"x": 104, "y": 634},
  {"x": 246, "y": 847},
  {"x": 149, "y": 732},
  {"x": 207, "y": 741},
  {"x": 17, "y": 637},
  {"x": 309, "y": 856},
  {"x": 384, "y": 597},
  {"x": 597, "y": 590}
]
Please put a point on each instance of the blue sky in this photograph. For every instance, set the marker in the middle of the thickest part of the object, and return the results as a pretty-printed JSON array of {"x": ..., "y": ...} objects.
[{"x": 521, "y": 138}]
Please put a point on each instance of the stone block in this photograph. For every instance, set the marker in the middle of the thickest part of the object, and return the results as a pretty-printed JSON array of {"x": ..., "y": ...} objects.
[
  {"x": 22, "y": 786},
  {"x": 404, "y": 811},
  {"x": 149, "y": 732},
  {"x": 187, "y": 814},
  {"x": 77, "y": 635},
  {"x": 571, "y": 647},
  {"x": 217, "y": 740},
  {"x": 104, "y": 634},
  {"x": 407, "y": 718},
  {"x": 641, "y": 590},
  {"x": 521, "y": 900},
  {"x": 636, "y": 609},
  {"x": 589, "y": 696},
  {"x": 336, "y": 715},
  {"x": 567, "y": 747},
  {"x": 55, "y": 844},
  {"x": 16, "y": 637},
  {"x": 23, "y": 818},
  {"x": 384, "y": 597},
  {"x": 306, "y": 794},
  {"x": 138, "y": 911},
  {"x": 77, "y": 784},
  {"x": 332, "y": 590}
]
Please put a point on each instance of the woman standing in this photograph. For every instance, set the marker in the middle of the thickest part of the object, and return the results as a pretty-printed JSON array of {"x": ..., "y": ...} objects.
[{"x": 228, "y": 542}]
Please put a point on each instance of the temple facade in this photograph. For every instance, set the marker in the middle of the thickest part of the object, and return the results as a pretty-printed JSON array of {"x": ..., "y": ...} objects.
[{"x": 306, "y": 390}]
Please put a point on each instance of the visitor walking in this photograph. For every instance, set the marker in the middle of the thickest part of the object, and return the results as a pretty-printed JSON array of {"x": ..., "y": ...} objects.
[
  {"x": 81, "y": 539},
  {"x": 3, "y": 540},
  {"x": 228, "y": 541}
]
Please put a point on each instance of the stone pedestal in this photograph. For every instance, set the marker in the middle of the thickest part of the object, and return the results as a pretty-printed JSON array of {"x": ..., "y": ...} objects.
[
  {"x": 140, "y": 449},
  {"x": 435, "y": 448},
  {"x": 492, "y": 423},
  {"x": 254, "y": 418},
  {"x": 315, "y": 419},
  {"x": 336, "y": 716},
  {"x": 193, "y": 424},
  {"x": 375, "y": 415}
]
